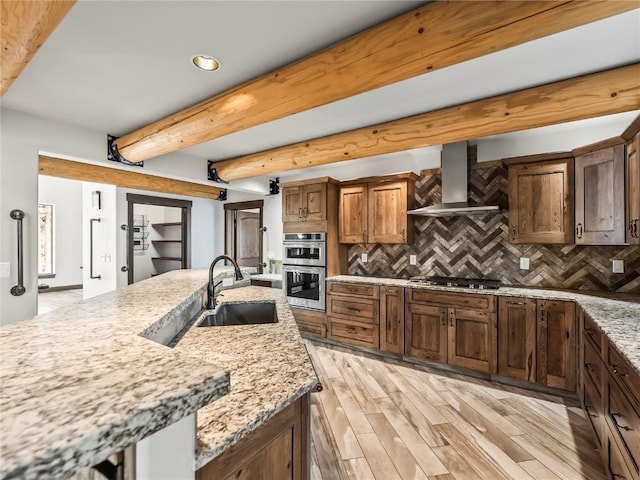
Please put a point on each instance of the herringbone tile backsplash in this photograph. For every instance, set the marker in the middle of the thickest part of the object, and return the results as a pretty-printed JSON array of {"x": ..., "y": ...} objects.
[{"x": 477, "y": 246}]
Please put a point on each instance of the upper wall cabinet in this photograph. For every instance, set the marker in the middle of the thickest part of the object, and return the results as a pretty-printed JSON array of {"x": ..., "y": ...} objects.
[
  {"x": 600, "y": 187},
  {"x": 633, "y": 190},
  {"x": 374, "y": 210},
  {"x": 541, "y": 199},
  {"x": 305, "y": 204}
]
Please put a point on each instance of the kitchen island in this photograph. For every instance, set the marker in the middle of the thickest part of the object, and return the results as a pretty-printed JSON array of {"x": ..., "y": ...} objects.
[{"x": 85, "y": 381}]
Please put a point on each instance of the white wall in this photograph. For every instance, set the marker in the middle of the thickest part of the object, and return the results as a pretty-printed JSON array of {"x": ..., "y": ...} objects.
[{"x": 66, "y": 196}]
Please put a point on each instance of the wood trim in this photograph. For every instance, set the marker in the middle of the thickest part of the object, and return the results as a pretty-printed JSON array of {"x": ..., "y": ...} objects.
[
  {"x": 244, "y": 205},
  {"x": 57, "y": 167},
  {"x": 26, "y": 25},
  {"x": 603, "y": 93},
  {"x": 411, "y": 176},
  {"x": 160, "y": 201},
  {"x": 541, "y": 157},
  {"x": 594, "y": 147},
  {"x": 632, "y": 130},
  {"x": 431, "y": 37},
  {"x": 310, "y": 181}
]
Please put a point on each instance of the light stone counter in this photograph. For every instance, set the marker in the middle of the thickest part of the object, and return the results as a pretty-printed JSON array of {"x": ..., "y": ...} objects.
[
  {"x": 617, "y": 315},
  {"x": 81, "y": 383},
  {"x": 269, "y": 367}
]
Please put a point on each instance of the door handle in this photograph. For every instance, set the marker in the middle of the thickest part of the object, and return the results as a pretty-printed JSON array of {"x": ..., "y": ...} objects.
[
  {"x": 579, "y": 230},
  {"x": 300, "y": 212},
  {"x": 451, "y": 319},
  {"x": 19, "y": 289},
  {"x": 125, "y": 268},
  {"x": 91, "y": 222},
  {"x": 403, "y": 231}
]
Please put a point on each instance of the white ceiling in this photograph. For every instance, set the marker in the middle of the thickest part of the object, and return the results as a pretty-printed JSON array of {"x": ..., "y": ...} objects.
[{"x": 114, "y": 66}]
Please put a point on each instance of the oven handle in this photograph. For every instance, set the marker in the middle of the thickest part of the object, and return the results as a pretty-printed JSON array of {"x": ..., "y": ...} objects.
[
  {"x": 304, "y": 245},
  {"x": 297, "y": 268}
]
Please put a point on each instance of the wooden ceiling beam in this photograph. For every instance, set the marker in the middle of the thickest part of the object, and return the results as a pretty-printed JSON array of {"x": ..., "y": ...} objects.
[
  {"x": 604, "y": 93},
  {"x": 57, "y": 167},
  {"x": 434, "y": 36},
  {"x": 26, "y": 25}
]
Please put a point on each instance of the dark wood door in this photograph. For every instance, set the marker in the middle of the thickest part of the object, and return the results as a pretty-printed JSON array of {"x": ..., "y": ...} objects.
[
  {"x": 292, "y": 204},
  {"x": 541, "y": 202},
  {"x": 388, "y": 212},
  {"x": 426, "y": 332},
  {"x": 556, "y": 355},
  {"x": 633, "y": 190},
  {"x": 392, "y": 319},
  {"x": 600, "y": 197},
  {"x": 248, "y": 238},
  {"x": 472, "y": 337},
  {"x": 517, "y": 338},
  {"x": 314, "y": 202},
  {"x": 353, "y": 214}
]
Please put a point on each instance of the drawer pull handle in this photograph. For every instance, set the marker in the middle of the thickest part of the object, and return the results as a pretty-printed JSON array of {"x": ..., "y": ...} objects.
[
  {"x": 619, "y": 425},
  {"x": 589, "y": 366},
  {"x": 515, "y": 303},
  {"x": 618, "y": 475},
  {"x": 618, "y": 372}
]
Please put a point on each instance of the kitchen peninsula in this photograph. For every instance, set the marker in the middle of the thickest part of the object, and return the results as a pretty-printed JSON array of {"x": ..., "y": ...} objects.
[{"x": 85, "y": 381}]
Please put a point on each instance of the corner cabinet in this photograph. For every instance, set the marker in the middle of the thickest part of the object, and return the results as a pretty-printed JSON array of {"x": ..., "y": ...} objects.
[
  {"x": 633, "y": 190},
  {"x": 541, "y": 199},
  {"x": 600, "y": 186},
  {"x": 374, "y": 210}
]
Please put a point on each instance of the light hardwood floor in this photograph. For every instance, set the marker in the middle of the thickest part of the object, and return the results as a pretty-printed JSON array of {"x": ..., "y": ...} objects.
[
  {"x": 376, "y": 420},
  {"x": 48, "y": 301}
]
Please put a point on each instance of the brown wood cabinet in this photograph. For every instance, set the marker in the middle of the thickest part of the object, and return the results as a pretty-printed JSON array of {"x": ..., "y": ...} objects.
[
  {"x": 600, "y": 199},
  {"x": 633, "y": 190},
  {"x": 279, "y": 449},
  {"x": 374, "y": 210},
  {"x": 392, "y": 319},
  {"x": 304, "y": 203},
  {"x": 541, "y": 200},
  {"x": 455, "y": 328},
  {"x": 556, "y": 346},
  {"x": 310, "y": 322},
  {"x": 353, "y": 314},
  {"x": 517, "y": 338},
  {"x": 610, "y": 398}
]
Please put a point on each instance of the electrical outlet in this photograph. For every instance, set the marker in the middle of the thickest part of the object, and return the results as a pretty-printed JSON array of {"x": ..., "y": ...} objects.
[
  {"x": 524, "y": 263},
  {"x": 107, "y": 258},
  {"x": 227, "y": 282},
  {"x": 364, "y": 258},
  {"x": 413, "y": 260},
  {"x": 618, "y": 266},
  {"x": 5, "y": 270}
]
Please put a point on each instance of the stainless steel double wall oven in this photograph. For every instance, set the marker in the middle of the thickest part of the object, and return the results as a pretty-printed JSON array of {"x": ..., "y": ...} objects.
[{"x": 304, "y": 268}]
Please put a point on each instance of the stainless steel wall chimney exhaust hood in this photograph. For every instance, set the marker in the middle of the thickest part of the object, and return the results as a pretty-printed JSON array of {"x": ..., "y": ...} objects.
[{"x": 454, "y": 186}]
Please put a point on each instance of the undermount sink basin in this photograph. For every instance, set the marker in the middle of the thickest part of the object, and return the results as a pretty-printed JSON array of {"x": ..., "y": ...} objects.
[{"x": 241, "y": 314}]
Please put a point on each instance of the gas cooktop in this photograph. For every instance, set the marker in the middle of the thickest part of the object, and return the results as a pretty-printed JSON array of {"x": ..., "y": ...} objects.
[{"x": 477, "y": 283}]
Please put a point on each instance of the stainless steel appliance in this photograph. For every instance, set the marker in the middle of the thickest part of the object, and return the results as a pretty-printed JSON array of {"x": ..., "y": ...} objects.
[
  {"x": 304, "y": 269},
  {"x": 305, "y": 249},
  {"x": 477, "y": 283}
]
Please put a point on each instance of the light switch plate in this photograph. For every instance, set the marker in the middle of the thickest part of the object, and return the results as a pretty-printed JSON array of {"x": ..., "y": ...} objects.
[
  {"x": 617, "y": 266},
  {"x": 524, "y": 263},
  {"x": 5, "y": 270},
  {"x": 413, "y": 260},
  {"x": 365, "y": 258},
  {"x": 227, "y": 282}
]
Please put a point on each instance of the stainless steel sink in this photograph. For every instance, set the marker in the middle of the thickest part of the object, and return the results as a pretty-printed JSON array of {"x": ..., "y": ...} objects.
[{"x": 241, "y": 314}]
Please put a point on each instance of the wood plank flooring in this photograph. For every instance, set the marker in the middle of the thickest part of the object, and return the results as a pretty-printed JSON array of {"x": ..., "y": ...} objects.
[
  {"x": 48, "y": 301},
  {"x": 380, "y": 421}
]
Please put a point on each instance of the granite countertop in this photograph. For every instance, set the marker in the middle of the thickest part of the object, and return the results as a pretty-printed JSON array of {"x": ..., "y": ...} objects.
[
  {"x": 617, "y": 315},
  {"x": 269, "y": 277},
  {"x": 269, "y": 368},
  {"x": 81, "y": 382}
]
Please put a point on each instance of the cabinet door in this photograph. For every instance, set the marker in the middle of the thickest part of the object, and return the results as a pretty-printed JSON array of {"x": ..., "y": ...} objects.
[
  {"x": 291, "y": 204},
  {"x": 426, "y": 332},
  {"x": 472, "y": 339},
  {"x": 314, "y": 202},
  {"x": 600, "y": 197},
  {"x": 541, "y": 202},
  {"x": 353, "y": 214},
  {"x": 517, "y": 338},
  {"x": 633, "y": 190},
  {"x": 392, "y": 319},
  {"x": 388, "y": 212},
  {"x": 556, "y": 344}
]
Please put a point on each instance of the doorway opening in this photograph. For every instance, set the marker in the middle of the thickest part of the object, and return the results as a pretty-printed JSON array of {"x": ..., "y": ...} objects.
[
  {"x": 158, "y": 236},
  {"x": 243, "y": 230}
]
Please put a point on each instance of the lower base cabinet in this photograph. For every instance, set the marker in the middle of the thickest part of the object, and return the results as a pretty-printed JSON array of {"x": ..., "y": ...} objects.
[
  {"x": 279, "y": 449},
  {"x": 310, "y": 321}
]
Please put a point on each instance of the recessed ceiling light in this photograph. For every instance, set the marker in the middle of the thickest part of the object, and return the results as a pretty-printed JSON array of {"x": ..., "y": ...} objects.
[{"x": 205, "y": 62}]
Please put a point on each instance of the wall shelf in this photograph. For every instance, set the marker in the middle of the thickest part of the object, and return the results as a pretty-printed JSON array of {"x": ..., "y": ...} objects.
[
  {"x": 166, "y": 224},
  {"x": 166, "y": 241},
  {"x": 173, "y": 259}
]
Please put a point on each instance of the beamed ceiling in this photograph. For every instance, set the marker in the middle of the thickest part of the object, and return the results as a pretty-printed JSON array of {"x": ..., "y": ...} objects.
[{"x": 124, "y": 67}]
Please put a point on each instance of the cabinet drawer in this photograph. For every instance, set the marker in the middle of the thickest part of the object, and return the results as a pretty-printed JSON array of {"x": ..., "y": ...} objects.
[
  {"x": 353, "y": 308},
  {"x": 593, "y": 366},
  {"x": 457, "y": 300},
  {"x": 593, "y": 333},
  {"x": 625, "y": 422},
  {"x": 593, "y": 407},
  {"x": 355, "y": 289},
  {"x": 312, "y": 328},
  {"x": 625, "y": 375},
  {"x": 355, "y": 333},
  {"x": 616, "y": 465}
]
